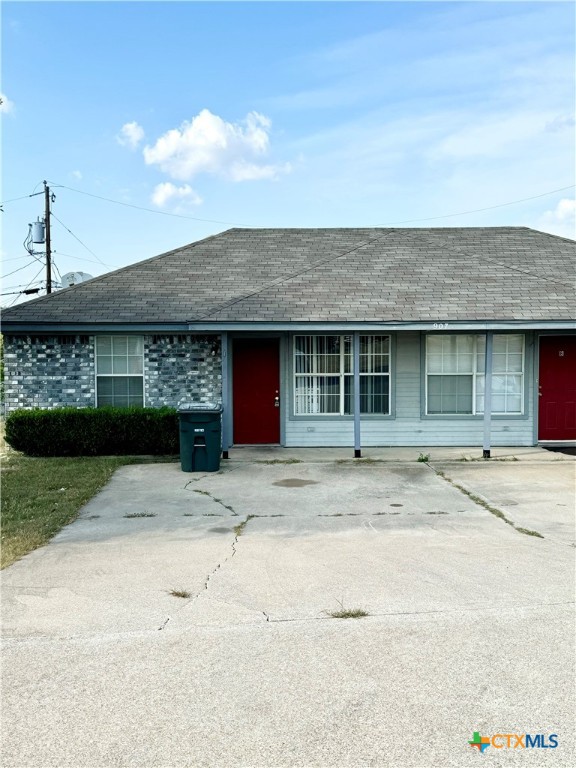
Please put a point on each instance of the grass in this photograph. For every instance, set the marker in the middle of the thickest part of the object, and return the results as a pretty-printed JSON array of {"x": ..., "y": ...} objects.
[
  {"x": 346, "y": 613},
  {"x": 41, "y": 495},
  {"x": 180, "y": 593},
  {"x": 493, "y": 510},
  {"x": 239, "y": 529},
  {"x": 529, "y": 532},
  {"x": 141, "y": 514},
  {"x": 423, "y": 458}
]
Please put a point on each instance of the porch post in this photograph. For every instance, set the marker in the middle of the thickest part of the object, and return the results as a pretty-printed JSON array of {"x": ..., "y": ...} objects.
[
  {"x": 487, "y": 394},
  {"x": 225, "y": 396},
  {"x": 356, "y": 369}
]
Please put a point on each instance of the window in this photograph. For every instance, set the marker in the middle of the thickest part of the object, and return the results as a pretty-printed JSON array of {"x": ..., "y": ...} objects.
[
  {"x": 119, "y": 370},
  {"x": 324, "y": 379},
  {"x": 455, "y": 374}
]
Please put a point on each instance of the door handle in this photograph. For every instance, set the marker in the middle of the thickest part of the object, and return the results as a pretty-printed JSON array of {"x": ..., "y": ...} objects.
[{"x": 277, "y": 402}]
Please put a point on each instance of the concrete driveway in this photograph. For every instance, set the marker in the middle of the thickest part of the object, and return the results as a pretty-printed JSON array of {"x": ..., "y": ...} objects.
[{"x": 469, "y": 625}]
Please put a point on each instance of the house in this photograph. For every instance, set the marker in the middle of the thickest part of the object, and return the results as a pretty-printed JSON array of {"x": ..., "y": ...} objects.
[{"x": 322, "y": 337}]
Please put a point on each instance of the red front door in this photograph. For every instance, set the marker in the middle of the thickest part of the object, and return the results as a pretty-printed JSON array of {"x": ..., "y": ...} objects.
[
  {"x": 256, "y": 391},
  {"x": 557, "y": 388}
]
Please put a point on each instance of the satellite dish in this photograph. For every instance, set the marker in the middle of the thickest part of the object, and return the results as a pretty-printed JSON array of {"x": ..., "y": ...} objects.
[{"x": 73, "y": 278}]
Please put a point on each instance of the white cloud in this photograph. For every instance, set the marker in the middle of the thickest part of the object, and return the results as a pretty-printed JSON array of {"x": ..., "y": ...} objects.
[
  {"x": 6, "y": 106},
  {"x": 208, "y": 144},
  {"x": 560, "y": 123},
  {"x": 131, "y": 134},
  {"x": 561, "y": 220},
  {"x": 77, "y": 174},
  {"x": 166, "y": 191}
]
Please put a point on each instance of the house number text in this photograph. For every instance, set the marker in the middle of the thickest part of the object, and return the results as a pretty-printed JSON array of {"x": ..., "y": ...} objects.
[{"x": 440, "y": 326}]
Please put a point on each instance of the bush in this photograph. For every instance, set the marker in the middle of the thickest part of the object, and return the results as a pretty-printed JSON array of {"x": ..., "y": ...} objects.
[{"x": 94, "y": 431}]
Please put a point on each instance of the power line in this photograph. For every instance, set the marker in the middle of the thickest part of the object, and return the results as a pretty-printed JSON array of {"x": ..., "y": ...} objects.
[
  {"x": 386, "y": 224},
  {"x": 15, "y": 258},
  {"x": 82, "y": 258},
  {"x": 19, "y": 269},
  {"x": 478, "y": 210},
  {"x": 151, "y": 210},
  {"x": 29, "y": 284},
  {"x": 77, "y": 238}
]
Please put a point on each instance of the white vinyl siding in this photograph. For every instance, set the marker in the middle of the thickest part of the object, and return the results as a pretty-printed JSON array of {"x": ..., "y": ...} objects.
[
  {"x": 455, "y": 374},
  {"x": 120, "y": 370},
  {"x": 324, "y": 380}
]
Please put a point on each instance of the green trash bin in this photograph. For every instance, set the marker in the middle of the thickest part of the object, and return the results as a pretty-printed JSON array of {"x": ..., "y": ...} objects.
[{"x": 200, "y": 437}]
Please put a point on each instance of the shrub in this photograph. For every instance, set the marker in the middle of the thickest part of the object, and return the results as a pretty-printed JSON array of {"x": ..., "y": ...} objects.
[{"x": 94, "y": 431}]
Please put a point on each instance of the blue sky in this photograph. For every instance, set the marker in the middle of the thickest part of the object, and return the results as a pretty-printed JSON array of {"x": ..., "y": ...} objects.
[{"x": 279, "y": 114}]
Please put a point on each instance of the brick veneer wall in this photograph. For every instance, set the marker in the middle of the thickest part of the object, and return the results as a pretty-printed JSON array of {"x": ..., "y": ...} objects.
[
  {"x": 53, "y": 371},
  {"x": 182, "y": 368},
  {"x": 48, "y": 371}
]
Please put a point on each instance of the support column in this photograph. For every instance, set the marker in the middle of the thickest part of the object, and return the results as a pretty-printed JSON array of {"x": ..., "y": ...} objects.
[
  {"x": 356, "y": 369},
  {"x": 225, "y": 396},
  {"x": 487, "y": 394}
]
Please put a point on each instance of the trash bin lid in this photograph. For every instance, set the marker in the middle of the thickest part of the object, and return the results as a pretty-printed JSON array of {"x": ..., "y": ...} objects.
[{"x": 199, "y": 408}]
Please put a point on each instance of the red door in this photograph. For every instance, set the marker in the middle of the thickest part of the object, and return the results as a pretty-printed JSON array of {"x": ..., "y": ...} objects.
[
  {"x": 557, "y": 388},
  {"x": 256, "y": 391}
]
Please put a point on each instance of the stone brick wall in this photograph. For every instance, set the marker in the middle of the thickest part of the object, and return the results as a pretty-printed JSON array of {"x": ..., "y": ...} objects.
[
  {"x": 53, "y": 371},
  {"x": 48, "y": 371},
  {"x": 180, "y": 368}
]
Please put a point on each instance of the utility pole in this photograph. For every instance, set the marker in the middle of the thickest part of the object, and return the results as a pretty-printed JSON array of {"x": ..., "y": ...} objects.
[{"x": 48, "y": 249}]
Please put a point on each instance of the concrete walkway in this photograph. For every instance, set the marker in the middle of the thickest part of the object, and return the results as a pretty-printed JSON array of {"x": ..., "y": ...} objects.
[{"x": 465, "y": 569}]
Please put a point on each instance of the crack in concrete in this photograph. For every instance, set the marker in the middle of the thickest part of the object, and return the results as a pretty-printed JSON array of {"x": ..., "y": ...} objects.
[
  {"x": 239, "y": 530},
  {"x": 194, "y": 480},
  {"x": 217, "y": 501},
  {"x": 482, "y": 502}
]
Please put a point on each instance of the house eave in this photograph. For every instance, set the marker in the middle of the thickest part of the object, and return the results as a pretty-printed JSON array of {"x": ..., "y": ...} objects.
[{"x": 294, "y": 326}]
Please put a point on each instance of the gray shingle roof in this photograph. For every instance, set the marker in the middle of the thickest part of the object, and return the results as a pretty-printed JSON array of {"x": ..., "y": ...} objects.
[{"x": 300, "y": 275}]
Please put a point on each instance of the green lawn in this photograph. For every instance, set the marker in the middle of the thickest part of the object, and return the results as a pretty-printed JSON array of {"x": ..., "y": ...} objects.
[{"x": 39, "y": 496}]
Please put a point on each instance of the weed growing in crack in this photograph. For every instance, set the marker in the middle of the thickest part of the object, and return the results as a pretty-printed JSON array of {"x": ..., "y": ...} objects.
[
  {"x": 197, "y": 490},
  {"x": 180, "y": 593},
  {"x": 529, "y": 532},
  {"x": 346, "y": 613},
  {"x": 493, "y": 510},
  {"x": 239, "y": 529},
  {"x": 280, "y": 461},
  {"x": 140, "y": 514},
  {"x": 424, "y": 458},
  {"x": 226, "y": 506}
]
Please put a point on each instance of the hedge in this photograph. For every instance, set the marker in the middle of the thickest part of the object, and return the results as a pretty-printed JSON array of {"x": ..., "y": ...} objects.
[{"x": 94, "y": 431}]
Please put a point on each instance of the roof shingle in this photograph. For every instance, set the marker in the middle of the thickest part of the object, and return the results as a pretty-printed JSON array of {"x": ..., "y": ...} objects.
[{"x": 315, "y": 275}]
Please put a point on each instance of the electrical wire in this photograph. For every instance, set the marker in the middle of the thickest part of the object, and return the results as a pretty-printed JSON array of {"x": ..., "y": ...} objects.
[
  {"x": 151, "y": 210},
  {"x": 57, "y": 270},
  {"x": 77, "y": 238},
  {"x": 14, "y": 258},
  {"x": 82, "y": 258},
  {"x": 20, "y": 293},
  {"x": 386, "y": 224},
  {"x": 28, "y": 286},
  {"x": 479, "y": 210},
  {"x": 18, "y": 270}
]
